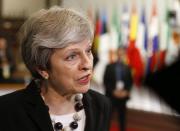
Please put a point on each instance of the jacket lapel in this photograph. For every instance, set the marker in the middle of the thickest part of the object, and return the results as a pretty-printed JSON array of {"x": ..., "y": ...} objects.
[
  {"x": 36, "y": 108},
  {"x": 90, "y": 111},
  {"x": 38, "y": 111}
]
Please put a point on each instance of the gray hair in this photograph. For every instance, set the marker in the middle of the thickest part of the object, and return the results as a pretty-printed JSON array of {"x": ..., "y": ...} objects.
[{"x": 50, "y": 29}]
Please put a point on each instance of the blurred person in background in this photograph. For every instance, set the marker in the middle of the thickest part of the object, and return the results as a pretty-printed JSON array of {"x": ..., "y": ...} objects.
[
  {"x": 7, "y": 63},
  {"x": 56, "y": 48},
  {"x": 118, "y": 83}
]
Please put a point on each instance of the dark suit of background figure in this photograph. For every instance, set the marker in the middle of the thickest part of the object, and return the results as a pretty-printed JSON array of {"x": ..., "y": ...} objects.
[
  {"x": 25, "y": 110},
  {"x": 114, "y": 72}
]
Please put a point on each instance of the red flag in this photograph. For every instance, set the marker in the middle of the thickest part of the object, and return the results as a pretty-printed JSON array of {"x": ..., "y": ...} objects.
[
  {"x": 135, "y": 61},
  {"x": 96, "y": 38},
  {"x": 133, "y": 53}
]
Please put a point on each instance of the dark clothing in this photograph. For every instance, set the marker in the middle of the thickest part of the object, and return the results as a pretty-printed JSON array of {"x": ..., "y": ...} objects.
[
  {"x": 111, "y": 76},
  {"x": 165, "y": 83},
  {"x": 25, "y": 110}
]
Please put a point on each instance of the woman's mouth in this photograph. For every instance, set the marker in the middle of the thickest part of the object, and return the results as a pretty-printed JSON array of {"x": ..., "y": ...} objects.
[{"x": 84, "y": 80}]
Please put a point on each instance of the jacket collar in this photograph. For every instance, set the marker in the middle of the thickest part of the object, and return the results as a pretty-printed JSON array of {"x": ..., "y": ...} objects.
[
  {"x": 36, "y": 107},
  {"x": 90, "y": 110},
  {"x": 38, "y": 111}
]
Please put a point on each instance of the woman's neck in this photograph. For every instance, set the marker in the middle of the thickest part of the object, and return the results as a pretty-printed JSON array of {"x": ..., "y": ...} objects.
[{"x": 58, "y": 104}]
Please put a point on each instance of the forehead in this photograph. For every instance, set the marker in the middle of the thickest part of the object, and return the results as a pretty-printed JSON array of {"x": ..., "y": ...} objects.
[
  {"x": 76, "y": 46},
  {"x": 84, "y": 43}
]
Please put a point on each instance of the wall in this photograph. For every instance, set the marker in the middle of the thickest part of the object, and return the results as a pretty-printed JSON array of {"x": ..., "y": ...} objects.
[{"x": 19, "y": 8}]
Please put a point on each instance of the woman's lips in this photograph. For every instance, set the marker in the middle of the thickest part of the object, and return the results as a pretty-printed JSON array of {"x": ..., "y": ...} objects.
[{"x": 84, "y": 80}]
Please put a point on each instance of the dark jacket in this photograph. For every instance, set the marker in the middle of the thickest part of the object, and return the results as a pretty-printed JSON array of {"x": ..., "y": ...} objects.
[
  {"x": 110, "y": 79},
  {"x": 24, "y": 110}
]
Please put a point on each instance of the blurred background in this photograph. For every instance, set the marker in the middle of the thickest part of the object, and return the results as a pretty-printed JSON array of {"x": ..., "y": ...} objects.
[{"x": 148, "y": 29}]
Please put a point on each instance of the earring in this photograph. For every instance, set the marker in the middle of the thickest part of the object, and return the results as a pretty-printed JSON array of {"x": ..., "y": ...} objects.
[{"x": 46, "y": 77}]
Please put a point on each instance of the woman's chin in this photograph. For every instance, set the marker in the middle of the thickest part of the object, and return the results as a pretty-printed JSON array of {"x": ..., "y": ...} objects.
[{"x": 83, "y": 89}]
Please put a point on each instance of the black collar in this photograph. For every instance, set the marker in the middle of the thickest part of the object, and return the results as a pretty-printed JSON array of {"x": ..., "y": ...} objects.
[{"x": 38, "y": 111}]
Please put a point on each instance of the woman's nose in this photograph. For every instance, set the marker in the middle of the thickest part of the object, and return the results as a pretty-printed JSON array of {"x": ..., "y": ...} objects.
[{"x": 86, "y": 62}]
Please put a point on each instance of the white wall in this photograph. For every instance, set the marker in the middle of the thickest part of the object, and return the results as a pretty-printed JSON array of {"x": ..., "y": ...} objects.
[{"x": 16, "y": 8}]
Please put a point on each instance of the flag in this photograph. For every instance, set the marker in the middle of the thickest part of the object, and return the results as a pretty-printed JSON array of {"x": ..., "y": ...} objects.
[
  {"x": 141, "y": 42},
  {"x": 104, "y": 22},
  {"x": 103, "y": 47},
  {"x": 133, "y": 24},
  {"x": 133, "y": 53},
  {"x": 164, "y": 39},
  {"x": 135, "y": 62},
  {"x": 125, "y": 26},
  {"x": 153, "y": 44},
  {"x": 143, "y": 29},
  {"x": 97, "y": 33},
  {"x": 104, "y": 37},
  {"x": 115, "y": 29}
]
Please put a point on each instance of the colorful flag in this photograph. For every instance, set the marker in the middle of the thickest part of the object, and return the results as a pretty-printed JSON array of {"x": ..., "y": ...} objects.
[
  {"x": 96, "y": 38},
  {"x": 103, "y": 49},
  {"x": 133, "y": 53},
  {"x": 125, "y": 26},
  {"x": 115, "y": 34},
  {"x": 133, "y": 24},
  {"x": 141, "y": 42},
  {"x": 164, "y": 39},
  {"x": 104, "y": 22},
  {"x": 153, "y": 45}
]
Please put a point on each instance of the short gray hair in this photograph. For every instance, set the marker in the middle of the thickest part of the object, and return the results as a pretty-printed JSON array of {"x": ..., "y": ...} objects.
[{"x": 49, "y": 29}]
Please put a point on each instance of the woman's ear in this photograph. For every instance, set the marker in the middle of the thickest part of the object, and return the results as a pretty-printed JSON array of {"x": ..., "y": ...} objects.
[{"x": 43, "y": 73}]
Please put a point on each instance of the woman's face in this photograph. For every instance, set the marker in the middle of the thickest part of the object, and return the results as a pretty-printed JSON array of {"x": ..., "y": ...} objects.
[{"x": 71, "y": 68}]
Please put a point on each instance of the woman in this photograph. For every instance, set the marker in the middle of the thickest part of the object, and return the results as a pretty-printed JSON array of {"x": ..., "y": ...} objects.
[{"x": 56, "y": 48}]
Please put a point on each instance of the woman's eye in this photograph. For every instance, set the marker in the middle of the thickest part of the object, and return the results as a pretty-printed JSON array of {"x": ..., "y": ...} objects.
[
  {"x": 89, "y": 50},
  {"x": 71, "y": 57}
]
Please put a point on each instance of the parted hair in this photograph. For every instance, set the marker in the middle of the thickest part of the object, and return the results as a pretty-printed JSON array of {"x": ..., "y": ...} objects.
[{"x": 49, "y": 29}]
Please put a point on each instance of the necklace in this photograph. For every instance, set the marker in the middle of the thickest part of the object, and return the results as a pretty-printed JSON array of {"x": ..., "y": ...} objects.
[{"x": 58, "y": 126}]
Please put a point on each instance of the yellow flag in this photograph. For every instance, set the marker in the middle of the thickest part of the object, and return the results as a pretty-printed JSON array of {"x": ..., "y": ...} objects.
[{"x": 133, "y": 24}]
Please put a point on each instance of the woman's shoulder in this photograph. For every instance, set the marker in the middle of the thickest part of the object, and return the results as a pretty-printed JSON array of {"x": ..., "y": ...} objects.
[
  {"x": 11, "y": 98},
  {"x": 19, "y": 95},
  {"x": 98, "y": 98},
  {"x": 96, "y": 94}
]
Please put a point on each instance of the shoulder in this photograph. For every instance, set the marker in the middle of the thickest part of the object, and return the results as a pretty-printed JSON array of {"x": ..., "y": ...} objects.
[
  {"x": 99, "y": 107},
  {"x": 111, "y": 64},
  {"x": 11, "y": 99},
  {"x": 110, "y": 67},
  {"x": 126, "y": 67},
  {"x": 98, "y": 98},
  {"x": 28, "y": 93}
]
